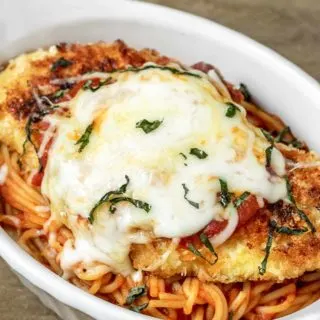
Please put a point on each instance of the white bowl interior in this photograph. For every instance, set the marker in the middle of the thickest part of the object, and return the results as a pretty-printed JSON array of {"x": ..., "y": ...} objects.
[{"x": 274, "y": 82}]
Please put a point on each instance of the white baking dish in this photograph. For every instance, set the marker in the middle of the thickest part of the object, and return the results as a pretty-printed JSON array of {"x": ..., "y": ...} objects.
[{"x": 276, "y": 83}]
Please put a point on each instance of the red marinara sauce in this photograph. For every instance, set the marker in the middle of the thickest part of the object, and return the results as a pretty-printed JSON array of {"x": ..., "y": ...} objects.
[{"x": 248, "y": 208}]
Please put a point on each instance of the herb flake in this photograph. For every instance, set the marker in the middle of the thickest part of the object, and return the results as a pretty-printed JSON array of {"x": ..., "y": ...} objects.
[
  {"x": 225, "y": 195},
  {"x": 198, "y": 153},
  {"x": 61, "y": 63},
  {"x": 186, "y": 191},
  {"x": 84, "y": 139},
  {"x": 135, "y": 293},
  {"x": 148, "y": 126},
  {"x": 183, "y": 155},
  {"x": 106, "y": 197},
  {"x": 137, "y": 203},
  {"x": 269, "y": 156},
  {"x": 231, "y": 111},
  {"x": 138, "y": 309},
  {"x": 267, "y": 135},
  {"x": 287, "y": 230},
  {"x": 304, "y": 217},
  {"x": 301, "y": 214},
  {"x": 204, "y": 239},
  {"x": 59, "y": 94},
  {"x": 263, "y": 266},
  {"x": 238, "y": 202},
  {"x": 90, "y": 85},
  {"x": 282, "y": 134},
  {"x": 172, "y": 70},
  {"x": 245, "y": 92}
]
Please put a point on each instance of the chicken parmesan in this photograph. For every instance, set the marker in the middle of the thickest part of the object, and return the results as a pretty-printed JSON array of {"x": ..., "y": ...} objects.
[{"x": 157, "y": 186}]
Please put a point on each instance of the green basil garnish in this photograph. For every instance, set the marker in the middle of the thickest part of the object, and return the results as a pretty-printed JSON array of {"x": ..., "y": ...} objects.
[
  {"x": 204, "y": 239},
  {"x": 84, "y": 139},
  {"x": 287, "y": 230},
  {"x": 106, "y": 197},
  {"x": 90, "y": 86},
  {"x": 301, "y": 214},
  {"x": 296, "y": 143},
  {"x": 267, "y": 135},
  {"x": 282, "y": 134},
  {"x": 304, "y": 217},
  {"x": 225, "y": 196},
  {"x": 172, "y": 70},
  {"x": 245, "y": 92},
  {"x": 197, "y": 253},
  {"x": 198, "y": 153},
  {"x": 61, "y": 63},
  {"x": 231, "y": 111},
  {"x": 183, "y": 155},
  {"x": 186, "y": 191},
  {"x": 263, "y": 266},
  {"x": 137, "y": 203},
  {"x": 237, "y": 203},
  {"x": 33, "y": 118},
  {"x": 59, "y": 94},
  {"x": 148, "y": 126},
  {"x": 268, "y": 156},
  {"x": 289, "y": 191},
  {"x": 135, "y": 293},
  {"x": 138, "y": 309}
]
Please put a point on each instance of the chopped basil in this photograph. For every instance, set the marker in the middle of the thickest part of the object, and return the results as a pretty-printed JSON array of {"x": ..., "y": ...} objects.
[
  {"x": 84, "y": 139},
  {"x": 225, "y": 195},
  {"x": 148, "y": 126},
  {"x": 197, "y": 253},
  {"x": 106, "y": 198},
  {"x": 267, "y": 135},
  {"x": 269, "y": 155},
  {"x": 304, "y": 217},
  {"x": 172, "y": 70},
  {"x": 183, "y": 155},
  {"x": 301, "y": 214},
  {"x": 296, "y": 143},
  {"x": 61, "y": 63},
  {"x": 204, "y": 239},
  {"x": 231, "y": 111},
  {"x": 198, "y": 153},
  {"x": 137, "y": 203},
  {"x": 135, "y": 293},
  {"x": 238, "y": 202},
  {"x": 59, "y": 94},
  {"x": 92, "y": 87},
  {"x": 245, "y": 92},
  {"x": 186, "y": 191},
  {"x": 287, "y": 230},
  {"x": 289, "y": 191},
  {"x": 263, "y": 267},
  {"x": 280, "y": 138},
  {"x": 138, "y": 309},
  {"x": 33, "y": 118},
  {"x": 282, "y": 134}
]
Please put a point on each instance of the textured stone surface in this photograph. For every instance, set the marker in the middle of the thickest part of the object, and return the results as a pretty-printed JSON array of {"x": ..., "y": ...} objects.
[{"x": 291, "y": 27}]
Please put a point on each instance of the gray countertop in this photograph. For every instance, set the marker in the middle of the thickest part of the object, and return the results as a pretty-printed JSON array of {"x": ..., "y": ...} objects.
[{"x": 291, "y": 27}]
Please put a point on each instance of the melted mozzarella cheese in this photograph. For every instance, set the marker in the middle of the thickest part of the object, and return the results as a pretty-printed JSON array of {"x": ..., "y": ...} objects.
[{"x": 158, "y": 164}]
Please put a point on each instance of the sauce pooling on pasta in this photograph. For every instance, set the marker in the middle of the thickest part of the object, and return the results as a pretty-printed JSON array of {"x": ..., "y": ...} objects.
[{"x": 143, "y": 155}]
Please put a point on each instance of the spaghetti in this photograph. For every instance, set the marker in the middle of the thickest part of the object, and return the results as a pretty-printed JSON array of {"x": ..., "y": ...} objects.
[{"x": 26, "y": 212}]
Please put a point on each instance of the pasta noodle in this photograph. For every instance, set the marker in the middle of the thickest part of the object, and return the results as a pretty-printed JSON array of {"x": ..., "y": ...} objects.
[{"x": 26, "y": 211}]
